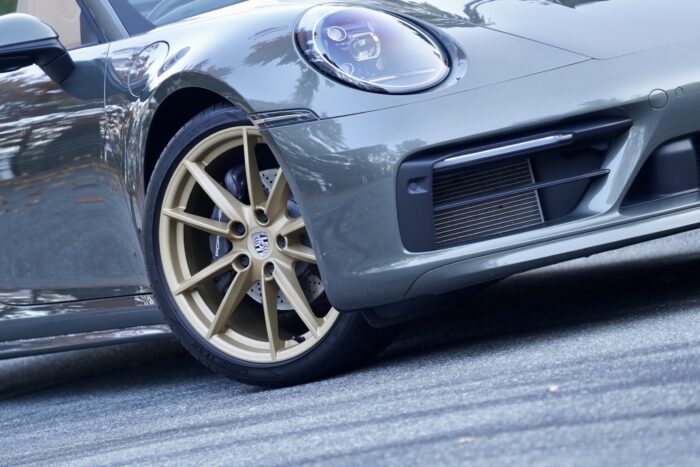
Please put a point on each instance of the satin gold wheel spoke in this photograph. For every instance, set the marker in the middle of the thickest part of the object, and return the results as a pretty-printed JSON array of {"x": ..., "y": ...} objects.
[
  {"x": 235, "y": 293},
  {"x": 245, "y": 321},
  {"x": 301, "y": 253},
  {"x": 256, "y": 193},
  {"x": 279, "y": 194},
  {"x": 198, "y": 222},
  {"x": 289, "y": 284},
  {"x": 294, "y": 226},
  {"x": 269, "y": 297},
  {"x": 206, "y": 273},
  {"x": 229, "y": 205}
]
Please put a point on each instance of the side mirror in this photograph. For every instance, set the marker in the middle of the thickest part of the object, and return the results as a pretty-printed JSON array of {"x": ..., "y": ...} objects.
[{"x": 26, "y": 40}]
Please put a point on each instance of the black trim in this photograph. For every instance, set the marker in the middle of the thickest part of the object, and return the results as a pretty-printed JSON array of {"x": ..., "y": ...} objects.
[
  {"x": 79, "y": 322},
  {"x": 582, "y": 133},
  {"x": 673, "y": 169},
  {"x": 414, "y": 191},
  {"x": 49, "y": 54},
  {"x": 518, "y": 190},
  {"x": 90, "y": 19},
  {"x": 79, "y": 341},
  {"x": 132, "y": 20}
]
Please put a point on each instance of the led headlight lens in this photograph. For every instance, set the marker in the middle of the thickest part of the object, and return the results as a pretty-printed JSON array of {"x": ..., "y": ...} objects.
[{"x": 371, "y": 50}]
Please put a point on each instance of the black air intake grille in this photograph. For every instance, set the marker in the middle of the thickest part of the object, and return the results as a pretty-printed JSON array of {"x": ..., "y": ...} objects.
[
  {"x": 480, "y": 180},
  {"x": 502, "y": 185},
  {"x": 487, "y": 218},
  {"x": 489, "y": 213}
]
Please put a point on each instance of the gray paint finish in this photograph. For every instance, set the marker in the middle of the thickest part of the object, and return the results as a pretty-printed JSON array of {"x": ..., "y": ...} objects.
[
  {"x": 597, "y": 28},
  {"x": 344, "y": 172},
  {"x": 67, "y": 230},
  {"x": 19, "y": 28}
]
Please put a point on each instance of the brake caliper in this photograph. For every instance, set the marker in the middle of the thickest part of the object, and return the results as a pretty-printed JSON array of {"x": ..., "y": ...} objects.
[{"x": 235, "y": 183}]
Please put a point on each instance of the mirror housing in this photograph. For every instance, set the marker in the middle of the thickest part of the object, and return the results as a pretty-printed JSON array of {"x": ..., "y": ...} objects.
[{"x": 26, "y": 40}]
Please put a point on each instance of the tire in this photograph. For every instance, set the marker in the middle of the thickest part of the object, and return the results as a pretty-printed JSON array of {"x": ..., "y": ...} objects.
[{"x": 232, "y": 345}]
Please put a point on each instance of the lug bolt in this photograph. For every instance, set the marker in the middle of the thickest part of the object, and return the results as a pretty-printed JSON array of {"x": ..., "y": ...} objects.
[
  {"x": 262, "y": 217},
  {"x": 245, "y": 261},
  {"x": 281, "y": 241},
  {"x": 269, "y": 269},
  {"x": 239, "y": 229}
]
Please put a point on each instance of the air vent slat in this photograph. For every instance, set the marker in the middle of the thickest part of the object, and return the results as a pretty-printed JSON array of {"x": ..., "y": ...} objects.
[
  {"x": 450, "y": 179},
  {"x": 503, "y": 227},
  {"x": 473, "y": 181},
  {"x": 488, "y": 218},
  {"x": 514, "y": 201},
  {"x": 491, "y": 217},
  {"x": 476, "y": 221},
  {"x": 493, "y": 178},
  {"x": 456, "y": 193}
]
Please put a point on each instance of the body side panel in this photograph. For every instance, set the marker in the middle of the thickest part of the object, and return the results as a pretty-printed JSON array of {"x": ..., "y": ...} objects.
[{"x": 65, "y": 214}]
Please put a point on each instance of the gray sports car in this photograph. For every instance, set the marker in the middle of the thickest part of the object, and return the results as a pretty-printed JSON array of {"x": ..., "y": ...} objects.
[{"x": 286, "y": 180}]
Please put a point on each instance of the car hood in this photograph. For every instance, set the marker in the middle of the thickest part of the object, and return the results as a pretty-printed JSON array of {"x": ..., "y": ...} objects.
[
  {"x": 595, "y": 28},
  {"x": 248, "y": 52}
]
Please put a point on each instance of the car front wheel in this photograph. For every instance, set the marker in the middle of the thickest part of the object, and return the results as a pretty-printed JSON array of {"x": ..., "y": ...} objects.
[{"x": 232, "y": 265}]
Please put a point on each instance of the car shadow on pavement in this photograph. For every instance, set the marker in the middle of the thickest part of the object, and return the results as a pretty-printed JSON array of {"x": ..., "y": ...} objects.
[{"x": 560, "y": 298}]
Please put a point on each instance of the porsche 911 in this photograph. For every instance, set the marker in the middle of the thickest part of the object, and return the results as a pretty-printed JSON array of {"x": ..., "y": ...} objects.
[{"x": 279, "y": 183}]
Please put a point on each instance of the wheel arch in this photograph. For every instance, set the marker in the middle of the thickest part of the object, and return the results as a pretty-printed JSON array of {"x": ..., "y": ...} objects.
[{"x": 177, "y": 101}]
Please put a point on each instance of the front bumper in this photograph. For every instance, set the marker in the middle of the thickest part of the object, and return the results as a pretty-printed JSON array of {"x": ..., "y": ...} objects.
[{"x": 343, "y": 172}]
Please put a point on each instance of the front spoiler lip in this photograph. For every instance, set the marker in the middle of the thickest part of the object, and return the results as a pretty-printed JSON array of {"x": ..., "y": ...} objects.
[{"x": 473, "y": 271}]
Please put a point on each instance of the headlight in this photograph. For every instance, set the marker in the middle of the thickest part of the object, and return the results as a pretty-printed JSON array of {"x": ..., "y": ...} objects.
[{"x": 371, "y": 50}]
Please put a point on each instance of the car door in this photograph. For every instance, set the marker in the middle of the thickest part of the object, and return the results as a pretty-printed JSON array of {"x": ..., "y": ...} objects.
[{"x": 66, "y": 228}]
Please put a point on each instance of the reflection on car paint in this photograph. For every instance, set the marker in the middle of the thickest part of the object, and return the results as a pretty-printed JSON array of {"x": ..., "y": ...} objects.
[{"x": 72, "y": 234}]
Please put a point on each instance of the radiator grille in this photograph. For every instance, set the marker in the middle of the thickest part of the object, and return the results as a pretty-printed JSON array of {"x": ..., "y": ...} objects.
[
  {"x": 476, "y": 202},
  {"x": 503, "y": 184},
  {"x": 480, "y": 180},
  {"x": 487, "y": 218}
]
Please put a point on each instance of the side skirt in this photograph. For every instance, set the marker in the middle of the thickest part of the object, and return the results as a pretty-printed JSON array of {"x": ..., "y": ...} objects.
[
  {"x": 53, "y": 327},
  {"x": 51, "y": 344}
]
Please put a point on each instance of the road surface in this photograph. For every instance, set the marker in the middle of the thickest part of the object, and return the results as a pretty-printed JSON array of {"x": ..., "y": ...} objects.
[{"x": 595, "y": 361}]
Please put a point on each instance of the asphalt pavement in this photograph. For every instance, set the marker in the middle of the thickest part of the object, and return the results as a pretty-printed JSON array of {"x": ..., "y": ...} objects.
[{"x": 592, "y": 362}]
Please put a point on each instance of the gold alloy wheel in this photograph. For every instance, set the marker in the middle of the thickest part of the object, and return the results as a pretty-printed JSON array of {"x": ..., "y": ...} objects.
[{"x": 268, "y": 247}]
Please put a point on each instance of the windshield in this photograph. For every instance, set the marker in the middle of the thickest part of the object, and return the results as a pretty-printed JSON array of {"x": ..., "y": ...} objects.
[{"x": 146, "y": 14}]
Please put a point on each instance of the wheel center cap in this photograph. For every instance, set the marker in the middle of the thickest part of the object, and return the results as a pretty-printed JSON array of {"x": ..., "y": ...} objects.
[{"x": 260, "y": 243}]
